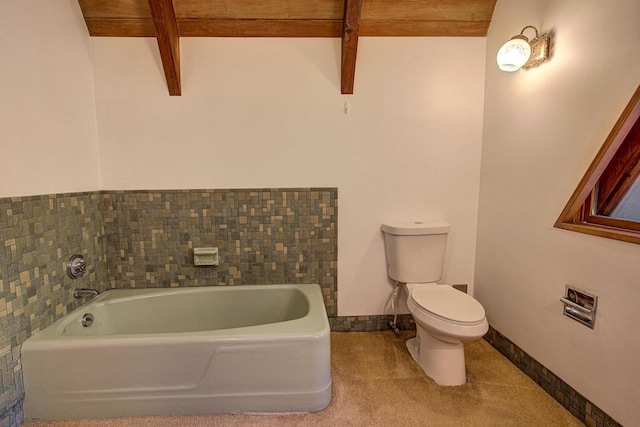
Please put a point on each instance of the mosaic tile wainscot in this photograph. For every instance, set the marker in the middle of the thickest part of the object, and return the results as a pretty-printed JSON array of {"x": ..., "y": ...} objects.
[
  {"x": 264, "y": 236},
  {"x": 37, "y": 235}
]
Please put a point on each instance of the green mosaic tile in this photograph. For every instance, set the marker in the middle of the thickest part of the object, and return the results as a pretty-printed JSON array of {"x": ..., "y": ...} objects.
[
  {"x": 264, "y": 236},
  {"x": 38, "y": 234},
  {"x": 370, "y": 323}
]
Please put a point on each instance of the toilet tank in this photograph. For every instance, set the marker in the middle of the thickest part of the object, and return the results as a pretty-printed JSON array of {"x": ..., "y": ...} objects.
[{"x": 415, "y": 250}]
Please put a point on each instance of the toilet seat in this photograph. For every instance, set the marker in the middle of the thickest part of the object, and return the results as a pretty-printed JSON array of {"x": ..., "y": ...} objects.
[{"x": 448, "y": 304}]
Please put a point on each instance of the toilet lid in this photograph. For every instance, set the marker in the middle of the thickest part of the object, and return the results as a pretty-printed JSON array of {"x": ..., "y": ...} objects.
[{"x": 449, "y": 303}]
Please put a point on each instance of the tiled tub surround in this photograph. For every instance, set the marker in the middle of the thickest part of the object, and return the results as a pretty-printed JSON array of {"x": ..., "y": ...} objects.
[
  {"x": 37, "y": 235},
  {"x": 264, "y": 236},
  {"x": 146, "y": 238}
]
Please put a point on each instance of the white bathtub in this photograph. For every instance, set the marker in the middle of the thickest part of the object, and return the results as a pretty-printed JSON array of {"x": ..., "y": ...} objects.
[{"x": 183, "y": 351}]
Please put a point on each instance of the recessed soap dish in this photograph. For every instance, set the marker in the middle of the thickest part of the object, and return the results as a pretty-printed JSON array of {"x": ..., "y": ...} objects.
[
  {"x": 580, "y": 306},
  {"x": 205, "y": 256}
]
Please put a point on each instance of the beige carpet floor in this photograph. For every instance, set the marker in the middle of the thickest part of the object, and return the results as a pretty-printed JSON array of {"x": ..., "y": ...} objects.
[{"x": 377, "y": 383}]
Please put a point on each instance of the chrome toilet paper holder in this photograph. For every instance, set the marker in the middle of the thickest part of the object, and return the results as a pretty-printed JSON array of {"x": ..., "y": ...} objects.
[{"x": 580, "y": 306}]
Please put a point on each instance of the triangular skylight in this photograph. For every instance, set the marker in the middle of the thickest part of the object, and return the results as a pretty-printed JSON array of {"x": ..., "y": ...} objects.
[{"x": 612, "y": 178}]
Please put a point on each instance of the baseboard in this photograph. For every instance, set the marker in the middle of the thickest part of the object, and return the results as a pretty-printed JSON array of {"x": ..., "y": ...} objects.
[
  {"x": 568, "y": 397},
  {"x": 370, "y": 323}
]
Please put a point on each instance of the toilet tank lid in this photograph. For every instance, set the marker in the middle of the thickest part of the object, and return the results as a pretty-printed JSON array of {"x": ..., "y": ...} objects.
[{"x": 416, "y": 228}]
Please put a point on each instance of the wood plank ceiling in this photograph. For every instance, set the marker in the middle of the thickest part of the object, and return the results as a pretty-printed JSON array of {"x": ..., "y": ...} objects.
[{"x": 169, "y": 20}]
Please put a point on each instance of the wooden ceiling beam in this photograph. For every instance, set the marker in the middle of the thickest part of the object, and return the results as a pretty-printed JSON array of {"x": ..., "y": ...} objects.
[
  {"x": 164, "y": 21},
  {"x": 423, "y": 28},
  {"x": 120, "y": 27},
  {"x": 350, "y": 34},
  {"x": 259, "y": 28},
  {"x": 372, "y": 10},
  {"x": 427, "y": 10},
  {"x": 126, "y": 27}
]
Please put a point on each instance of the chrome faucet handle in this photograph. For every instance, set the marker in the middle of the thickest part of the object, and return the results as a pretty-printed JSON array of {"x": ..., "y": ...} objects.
[{"x": 76, "y": 266}]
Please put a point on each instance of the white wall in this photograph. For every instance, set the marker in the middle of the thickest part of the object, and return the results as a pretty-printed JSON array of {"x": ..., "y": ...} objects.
[
  {"x": 542, "y": 129},
  {"x": 268, "y": 113},
  {"x": 47, "y": 109}
]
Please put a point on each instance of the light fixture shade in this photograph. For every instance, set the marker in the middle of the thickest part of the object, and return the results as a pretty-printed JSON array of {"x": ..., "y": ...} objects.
[{"x": 514, "y": 54}]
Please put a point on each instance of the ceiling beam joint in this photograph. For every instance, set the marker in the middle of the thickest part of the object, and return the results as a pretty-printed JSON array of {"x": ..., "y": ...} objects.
[
  {"x": 350, "y": 34},
  {"x": 164, "y": 21}
]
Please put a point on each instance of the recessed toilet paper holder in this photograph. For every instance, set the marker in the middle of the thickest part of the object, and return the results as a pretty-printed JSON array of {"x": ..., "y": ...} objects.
[{"x": 580, "y": 306}]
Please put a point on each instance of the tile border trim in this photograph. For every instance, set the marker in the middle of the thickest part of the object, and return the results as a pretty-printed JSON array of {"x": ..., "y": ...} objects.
[
  {"x": 578, "y": 405},
  {"x": 370, "y": 323}
]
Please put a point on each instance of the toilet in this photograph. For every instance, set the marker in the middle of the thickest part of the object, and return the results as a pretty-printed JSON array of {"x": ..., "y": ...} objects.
[{"x": 445, "y": 318}]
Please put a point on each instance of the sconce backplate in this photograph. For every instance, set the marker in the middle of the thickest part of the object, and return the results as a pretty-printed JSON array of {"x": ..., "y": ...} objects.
[{"x": 539, "y": 51}]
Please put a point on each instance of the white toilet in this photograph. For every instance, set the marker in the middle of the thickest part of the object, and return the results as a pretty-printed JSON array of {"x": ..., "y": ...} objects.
[{"x": 445, "y": 317}]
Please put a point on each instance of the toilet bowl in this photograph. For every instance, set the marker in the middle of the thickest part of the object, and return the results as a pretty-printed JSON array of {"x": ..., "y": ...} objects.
[{"x": 445, "y": 319}]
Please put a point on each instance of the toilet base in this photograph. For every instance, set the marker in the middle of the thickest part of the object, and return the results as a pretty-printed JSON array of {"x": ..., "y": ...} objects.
[{"x": 441, "y": 361}]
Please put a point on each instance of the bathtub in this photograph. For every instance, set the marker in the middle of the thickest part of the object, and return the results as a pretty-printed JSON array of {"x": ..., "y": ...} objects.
[{"x": 182, "y": 351}]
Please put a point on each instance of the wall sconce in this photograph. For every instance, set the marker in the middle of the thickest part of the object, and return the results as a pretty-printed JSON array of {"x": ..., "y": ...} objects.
[{"x": 519, "y": 52}]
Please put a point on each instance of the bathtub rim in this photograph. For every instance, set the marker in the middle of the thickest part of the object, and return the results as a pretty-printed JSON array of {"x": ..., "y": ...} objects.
[{"x": 313, "y": 325}]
